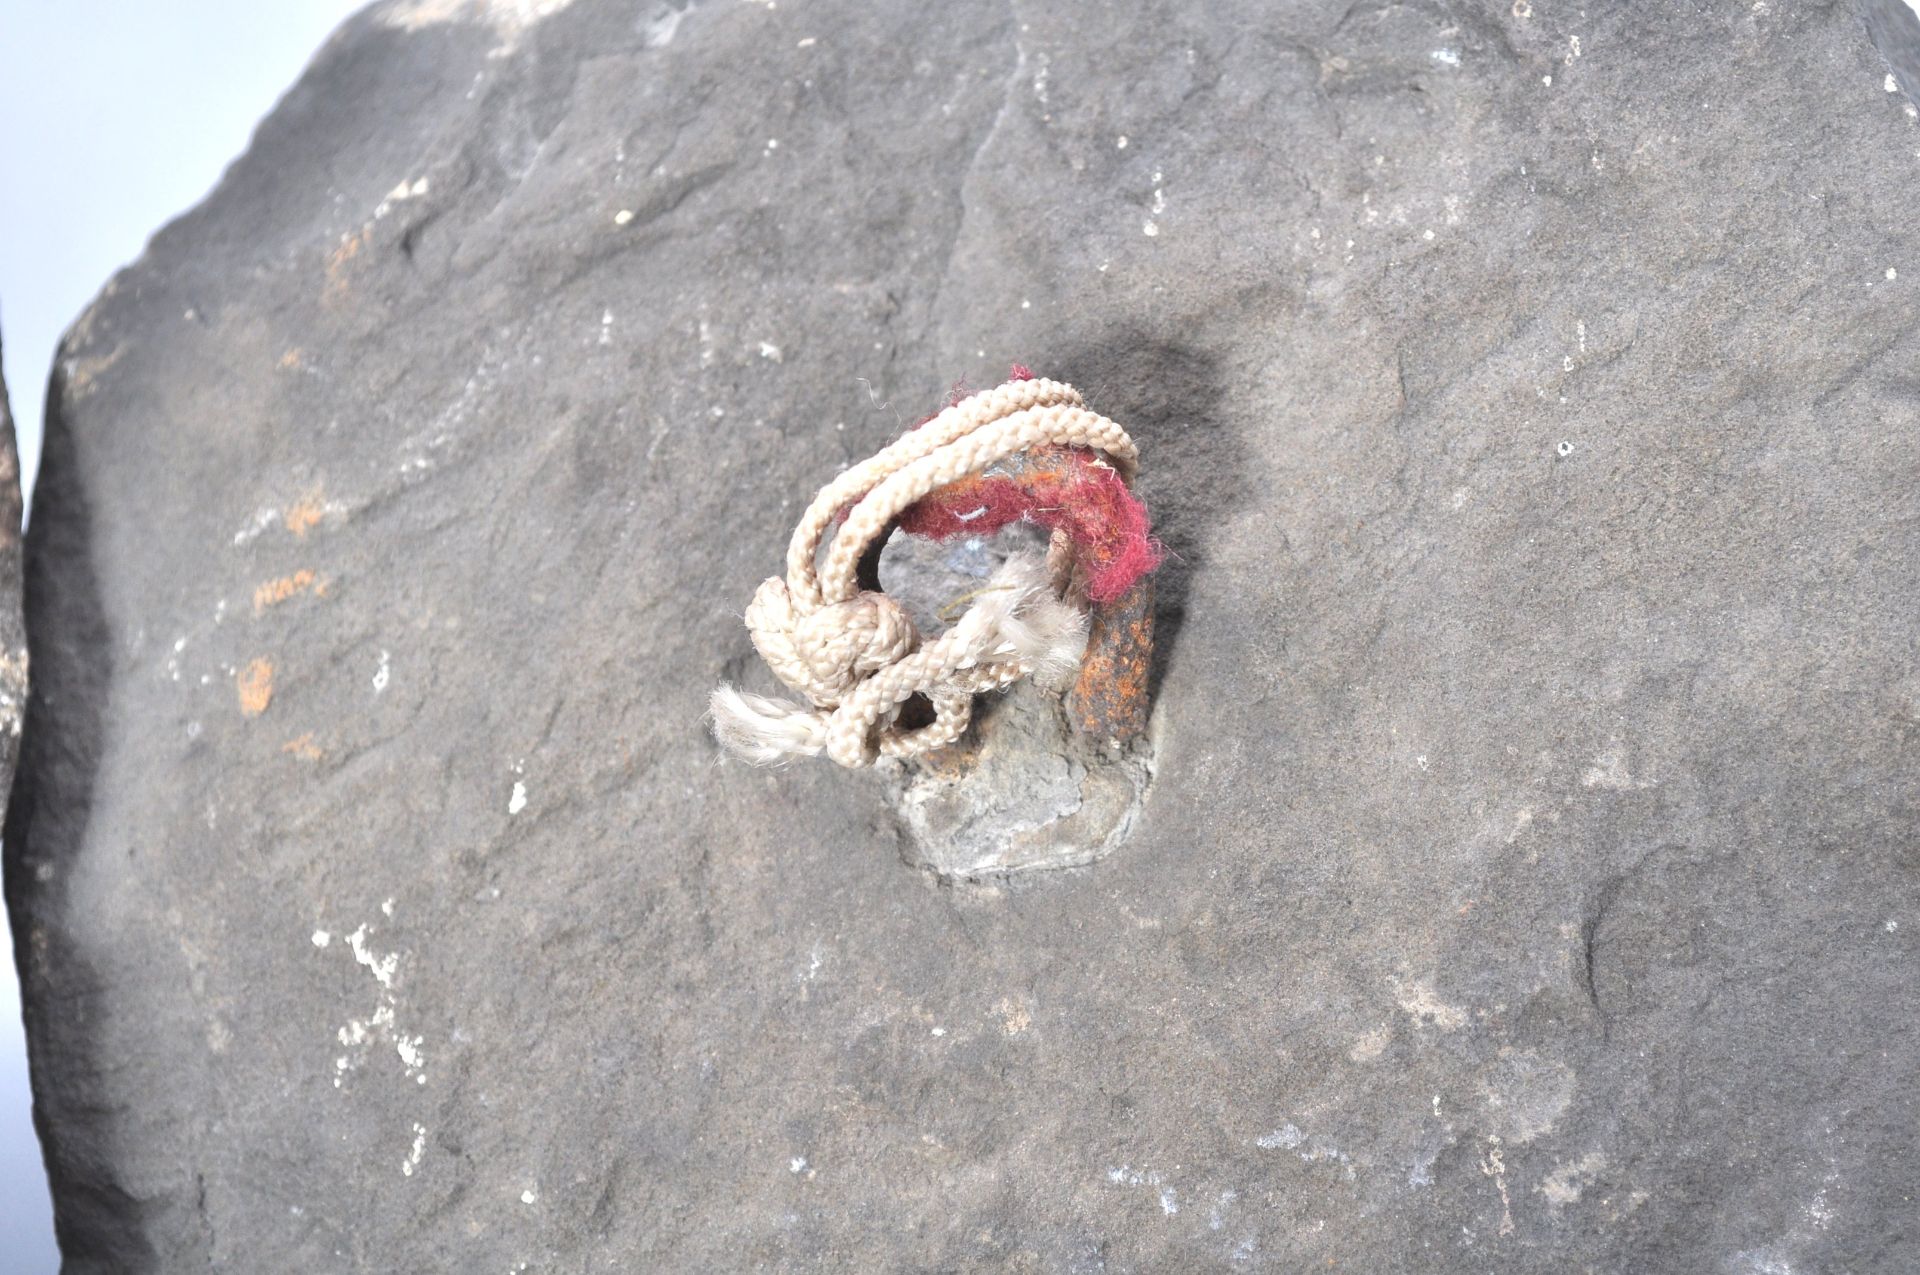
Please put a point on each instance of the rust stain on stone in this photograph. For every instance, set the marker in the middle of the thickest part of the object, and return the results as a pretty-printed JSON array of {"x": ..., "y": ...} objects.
[
  {"x": 274, "y": 592},
  {"x": 303, "y": 747},
  {"x": 1109, "y": 701},
  {"x": 350, "y": 246},
  {"x": 255, "y": 685},
  {"x": 306, "y": 515}
]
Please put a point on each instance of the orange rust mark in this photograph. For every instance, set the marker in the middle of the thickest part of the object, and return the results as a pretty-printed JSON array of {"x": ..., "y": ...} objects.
[
  {"x": 274, "y": 592},
  {"x": 349, "y": 248},
  {"x": 306, "y": 515},
  {"x": 304, "y": 748},
  {"x": 255, "y": 685},
  {"x": 291, "y": 360},
  {"x": 1109, "y": 699}
]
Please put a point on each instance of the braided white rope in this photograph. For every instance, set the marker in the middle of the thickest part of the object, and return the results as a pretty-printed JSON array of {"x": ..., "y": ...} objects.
[{"x": 855, "y": 654}]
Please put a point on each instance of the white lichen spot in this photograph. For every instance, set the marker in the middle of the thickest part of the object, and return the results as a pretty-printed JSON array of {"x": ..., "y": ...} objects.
[
  {"x": 1371, "y": 1044},
  {"x": 418, "y": 1149},
  {"x": 622, "y": 217},
  {"x": 1120, "y": 142},
  {"x": 1446, "y": 57},
  {"x": 1286, "y": 1137},
  {"x": 360, "y": 1034},
  {"x": 381, "y": 967},
  {"x": 508, "y": 19},
  {"x": 1890, "y": 84},
  {"x": 606, "y": 327},
  {"x": 1892, "y": 274},
  {"x": 518, "y": 800},
  {"x": 262, "y": 519},
  {"x": 529, "y": 1195},
  {"x": 321, "y": 938},
  {"x": 1609, "y": 770},
  {"x": 1547, "y": 80},
  {"x": 1819, "y": 1212},
  {"x": 13, "y": 690},
  {"x": 386, "y": 908},
  {"x": 797, "y": 1165},
  {"x": 1150, "y": 229},
  {"x": 771, "y": 352},
  {"x": 1419, "y": 1000},
  {"x": 1169, "y": 1204},
  {"x": 1494, "y": 1166},
  {"x": 1563, "y": 1186},
  {"x": 400, "y": 194},
  {"x": 382, "y": 674}
]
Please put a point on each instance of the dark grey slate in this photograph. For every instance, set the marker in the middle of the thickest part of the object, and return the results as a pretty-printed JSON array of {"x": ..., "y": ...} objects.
[{"x": 1529, "y": 880}]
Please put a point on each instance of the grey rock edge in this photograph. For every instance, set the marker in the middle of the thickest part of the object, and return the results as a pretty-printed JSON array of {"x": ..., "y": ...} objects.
[
  {"x": 1528, "y": 878},
  {"x": 13, "y": 634}
]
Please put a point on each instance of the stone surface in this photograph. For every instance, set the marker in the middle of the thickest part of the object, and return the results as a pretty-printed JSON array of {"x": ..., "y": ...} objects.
[
  {"x": 1528, "y": 880},
  {"x": 13, "y": 634}
]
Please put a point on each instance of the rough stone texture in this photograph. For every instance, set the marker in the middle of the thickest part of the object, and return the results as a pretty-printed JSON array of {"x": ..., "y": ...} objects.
[
  {"x": 1529, "y": 876},
  {"x": 13, "y": 633}
]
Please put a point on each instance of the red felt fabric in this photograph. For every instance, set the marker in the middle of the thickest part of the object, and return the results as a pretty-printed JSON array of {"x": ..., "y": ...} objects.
[{"x": 1057, "y": 488}]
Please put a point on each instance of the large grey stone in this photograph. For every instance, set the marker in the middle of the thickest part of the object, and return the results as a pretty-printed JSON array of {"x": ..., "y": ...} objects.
[{"x": 1528, "y": 879}]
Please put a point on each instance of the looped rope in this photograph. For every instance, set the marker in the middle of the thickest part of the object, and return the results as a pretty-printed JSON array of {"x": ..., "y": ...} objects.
[{"x": 855, "y": 654}]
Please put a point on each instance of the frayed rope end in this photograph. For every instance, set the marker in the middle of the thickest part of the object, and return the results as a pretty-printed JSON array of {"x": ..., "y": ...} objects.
[{"x": 763, "y": 730}]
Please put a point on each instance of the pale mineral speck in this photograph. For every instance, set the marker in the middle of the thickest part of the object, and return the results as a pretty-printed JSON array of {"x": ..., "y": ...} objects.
[
  {"x": 321, "y": 938},
  {"x": 1890, "y": 84},
  {"x": 622, "y": 217},
  {"x": 382, "y": 674},
  {"x": 529, "y": 1195},
  {"x": 770, "y": 352},
  {"x": 1892, "y": 274},
  {"x": 797, "y": 1165},
  {"x": 518, "y": 801},
  {"x": 1150, "y": 229}
]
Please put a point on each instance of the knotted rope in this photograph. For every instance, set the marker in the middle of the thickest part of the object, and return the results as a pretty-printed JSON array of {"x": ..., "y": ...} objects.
[{"x": 855, "y": 654}]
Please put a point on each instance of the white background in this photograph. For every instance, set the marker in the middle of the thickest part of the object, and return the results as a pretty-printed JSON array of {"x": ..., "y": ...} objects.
[{"x": 115, "y": 116}]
